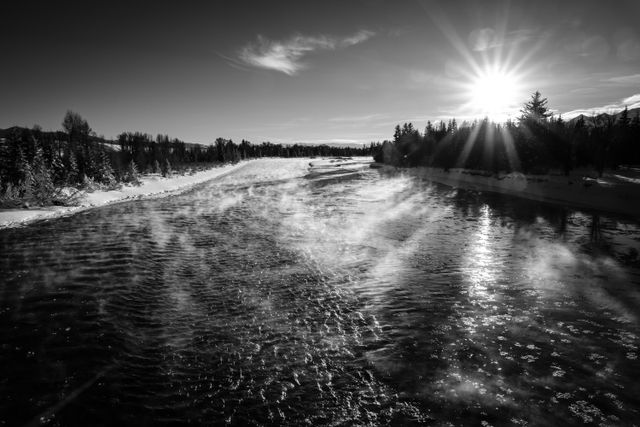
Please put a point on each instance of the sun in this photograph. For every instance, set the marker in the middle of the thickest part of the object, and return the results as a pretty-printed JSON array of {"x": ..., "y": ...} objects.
[{"x": 494, "y": 93}]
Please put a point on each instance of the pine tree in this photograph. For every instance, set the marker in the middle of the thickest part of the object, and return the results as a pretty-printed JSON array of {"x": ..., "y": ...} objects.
[
  {"x": 624, "y": 117},
  {"x": 26, "y": 176},
  {"x": 105, "y": 171},
  {"x": 42, "y": 187},
  {"x": 57, "y": 168},
  {"x": 397, "y": 134},
  {"x": 536, "y": 109},
  {"x": 132, "y": 175},
  {"x": 73, "y": 173},
  {"x": 429, "y": 129}
]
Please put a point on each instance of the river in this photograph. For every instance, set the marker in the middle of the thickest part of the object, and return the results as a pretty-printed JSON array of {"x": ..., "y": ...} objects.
[{"x": 332, "y": 294}]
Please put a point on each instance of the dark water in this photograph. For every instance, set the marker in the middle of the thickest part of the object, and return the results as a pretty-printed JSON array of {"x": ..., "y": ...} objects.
[{"x": 283, "y": 294}]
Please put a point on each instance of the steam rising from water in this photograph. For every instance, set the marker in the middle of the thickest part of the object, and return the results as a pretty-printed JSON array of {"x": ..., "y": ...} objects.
[{"x": 290, "y": 294}]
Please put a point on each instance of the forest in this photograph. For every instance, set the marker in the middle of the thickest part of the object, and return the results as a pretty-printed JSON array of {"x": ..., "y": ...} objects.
[
  {"x": 37, "y": 167},
  {"x": 537, "y": 143}
]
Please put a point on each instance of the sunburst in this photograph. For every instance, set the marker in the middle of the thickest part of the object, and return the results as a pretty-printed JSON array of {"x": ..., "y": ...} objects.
[{"x": 494, "y": 93}]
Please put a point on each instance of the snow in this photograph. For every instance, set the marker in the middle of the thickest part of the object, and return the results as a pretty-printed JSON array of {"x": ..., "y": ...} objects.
[
  {"x": 617, "y": 192},
  {"x": 613, "y": 193},
  {"x": 151, "y": 186}
]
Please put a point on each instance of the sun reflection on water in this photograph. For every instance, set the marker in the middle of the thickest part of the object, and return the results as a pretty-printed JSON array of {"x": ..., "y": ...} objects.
[{"x": 480, "y": 266}]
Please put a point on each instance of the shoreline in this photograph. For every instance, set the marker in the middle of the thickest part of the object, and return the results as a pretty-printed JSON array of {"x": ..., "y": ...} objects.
[
  {"x": 151, "y": 187},
  {"x": 611, "y": 194}
]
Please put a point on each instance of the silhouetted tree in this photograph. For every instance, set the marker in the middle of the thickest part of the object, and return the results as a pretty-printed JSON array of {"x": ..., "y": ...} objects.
[
  {"x": 536, "y": 109},
  {"x": 75, "y": 126}
]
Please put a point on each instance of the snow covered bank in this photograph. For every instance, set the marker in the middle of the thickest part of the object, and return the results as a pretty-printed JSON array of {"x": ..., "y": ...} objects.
[
  {"x": 617, "y": 192},
  {"x": 151, "y": 186}
]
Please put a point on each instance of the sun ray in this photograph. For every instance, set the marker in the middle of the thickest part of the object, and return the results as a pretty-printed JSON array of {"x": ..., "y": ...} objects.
[
  {"x": 489, "y": 145},
  {"x": 468, "y": 145},
  {"x": 447, "y": 29},
  {"x": 510, "y": 149}
]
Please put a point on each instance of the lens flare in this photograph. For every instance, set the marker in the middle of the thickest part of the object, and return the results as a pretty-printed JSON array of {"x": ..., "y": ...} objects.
[{"x": 494, "y": 94}]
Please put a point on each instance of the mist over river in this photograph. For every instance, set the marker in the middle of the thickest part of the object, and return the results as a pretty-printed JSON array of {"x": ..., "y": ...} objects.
[{"x": 322, "y": 294}]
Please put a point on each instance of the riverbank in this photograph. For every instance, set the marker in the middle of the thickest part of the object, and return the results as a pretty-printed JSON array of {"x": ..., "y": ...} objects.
[
  {"x": 615, "y": 192},
  {"x": 151, "y": 186}
]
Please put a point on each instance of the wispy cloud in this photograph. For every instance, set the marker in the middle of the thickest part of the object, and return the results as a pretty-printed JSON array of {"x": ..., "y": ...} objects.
[
  {"x": 630, "y": 102},
  {"x": 358, "y": 37},
  {"x": 286, "y": 56},
  {"x": 632, "y": 79}
]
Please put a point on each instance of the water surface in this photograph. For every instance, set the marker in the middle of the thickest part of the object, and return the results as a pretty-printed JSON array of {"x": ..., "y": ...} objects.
[{"x": 325, "y": 295}]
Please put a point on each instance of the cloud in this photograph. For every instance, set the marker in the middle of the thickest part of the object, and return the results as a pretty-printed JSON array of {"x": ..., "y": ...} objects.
[
  {"x": 286, "y": 56},
  {"x": 632, "y": 79},
  {"x": 585, "y": 90},
  {"x": 483, "y": 39},
  {"x": 633, "y": 99},
  {"x": 630, "y": 102},
  {"x": 359, "y": 37}
]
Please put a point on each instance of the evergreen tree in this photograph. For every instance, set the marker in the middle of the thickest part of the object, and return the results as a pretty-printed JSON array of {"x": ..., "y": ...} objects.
[
  {"x": 25, "y": 173},
  {"x": 429, "y": 129},
  {"x": 397, "y": 134},
  {"x": 105, "y": 172},
  {"x": 624, "y": 120},
  {"x": 57, "y": 168},
  {"x": 73, "y": 173},
  {"x": 536, "y": 109},
  {"x": 78, "y": 132},
  {"x": 132, "y": 175},
  {"x": 41, "y": 184}
]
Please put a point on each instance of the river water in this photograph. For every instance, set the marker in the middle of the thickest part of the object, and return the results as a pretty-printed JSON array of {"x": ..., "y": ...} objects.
[{"x": 328, "y": 295}]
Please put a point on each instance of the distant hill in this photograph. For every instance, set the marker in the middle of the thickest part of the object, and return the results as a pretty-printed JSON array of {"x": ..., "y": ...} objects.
[{"x": 603, "y": 118}]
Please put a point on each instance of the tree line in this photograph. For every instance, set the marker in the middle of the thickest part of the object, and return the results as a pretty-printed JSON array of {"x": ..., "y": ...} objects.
[
  {"x": 36, "y": 166},
  {"x": 536, "y": 143}
]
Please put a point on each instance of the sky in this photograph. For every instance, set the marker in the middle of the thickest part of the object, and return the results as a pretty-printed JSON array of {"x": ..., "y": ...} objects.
[{"x": 310, "y": 71}]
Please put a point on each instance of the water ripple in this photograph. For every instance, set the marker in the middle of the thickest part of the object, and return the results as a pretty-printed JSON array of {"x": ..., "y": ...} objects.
[{"x": 323, "y": 295}]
